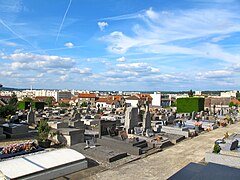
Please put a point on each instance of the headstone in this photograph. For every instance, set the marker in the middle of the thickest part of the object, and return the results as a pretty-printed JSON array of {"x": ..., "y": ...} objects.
[
  {"x": 138, "y": 130},
  {"x": 2, "y": 136},
  {"x": 77, "y": 116},
  {"x": 147, "y": 133},
  {"x": 90, "y": 144},
  {"x": 31, "y": 116},
  {"x": 77, "y": 124},
  {"x": 123, "y": 135},
  {"x": 234, "y": 145},
  {"x": 193, "y": 115},
  {"x": 131, "y": 118},
  {"x": 146, "y": 117},
  {"x": 98, "y": 111}
]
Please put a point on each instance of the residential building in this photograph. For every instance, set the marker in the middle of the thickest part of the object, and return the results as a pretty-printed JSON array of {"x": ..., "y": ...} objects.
[{"x": 88, "y": 98}]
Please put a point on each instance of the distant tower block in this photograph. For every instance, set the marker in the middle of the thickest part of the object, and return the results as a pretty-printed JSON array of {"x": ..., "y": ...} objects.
[{"x": 131, "y": 118}]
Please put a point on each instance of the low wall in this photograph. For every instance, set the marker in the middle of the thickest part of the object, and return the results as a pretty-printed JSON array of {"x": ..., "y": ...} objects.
[{"x": 223, "y": 159}]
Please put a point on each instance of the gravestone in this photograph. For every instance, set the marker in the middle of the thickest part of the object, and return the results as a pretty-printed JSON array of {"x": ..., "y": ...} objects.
[
  {"x": 98, "y": 111},
  {"x": 234, "y": 145},
  {"x": 77, "y": 124},
  {"x": 71, "y": 136},
  {"x": 31, "y": 116},
  {"x": 193, "y": 115},
  {"x": 146, "y": 117},
  {"x": 90, "y": 144},
  {"x": 77, "y": 116},
  {"x": 2, "y": 136},
  {"x": 131, "y": 118},
  {"x": 107, "y": 127},
  {"x": 230, "y": 145}
]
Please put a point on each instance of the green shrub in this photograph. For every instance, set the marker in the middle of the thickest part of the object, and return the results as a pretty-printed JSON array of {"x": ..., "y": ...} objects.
[
  {"x": 43, "y": 130},
  {"x": 216, "y": 149}
]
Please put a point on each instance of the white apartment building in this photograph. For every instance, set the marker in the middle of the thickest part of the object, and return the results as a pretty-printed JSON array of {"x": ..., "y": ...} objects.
[{"x": 229, "y": 94}]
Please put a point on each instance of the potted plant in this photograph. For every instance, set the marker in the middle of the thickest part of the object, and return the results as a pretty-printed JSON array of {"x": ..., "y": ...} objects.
[{"x": 43, "y": 134}]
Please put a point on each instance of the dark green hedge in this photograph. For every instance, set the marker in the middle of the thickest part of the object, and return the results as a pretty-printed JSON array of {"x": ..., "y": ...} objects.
[
  {"x": 190, "y": 104},
  {"x": 23, "y": 105}
]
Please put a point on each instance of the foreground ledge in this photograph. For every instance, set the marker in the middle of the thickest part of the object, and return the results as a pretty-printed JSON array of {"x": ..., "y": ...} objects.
[{"x": 45, "y": 165}]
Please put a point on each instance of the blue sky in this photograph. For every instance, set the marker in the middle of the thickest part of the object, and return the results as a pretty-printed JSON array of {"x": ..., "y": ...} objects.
[{"x": 120, "y": 45}]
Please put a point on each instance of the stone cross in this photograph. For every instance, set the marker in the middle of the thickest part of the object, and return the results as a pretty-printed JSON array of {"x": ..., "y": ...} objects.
[{"x": 31, "y": 116}]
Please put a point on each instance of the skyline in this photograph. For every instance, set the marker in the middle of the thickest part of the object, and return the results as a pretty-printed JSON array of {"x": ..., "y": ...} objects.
[{"x": 124, "y": 45}]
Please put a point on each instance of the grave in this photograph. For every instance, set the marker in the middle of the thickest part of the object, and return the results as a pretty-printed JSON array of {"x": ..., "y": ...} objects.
[
  {"x": 100, "y": 153},
  {"x": 77, "y": 124},
  {"x": 146, "y": 117},
  {"x": 71, "y": 136},
  {"x": 116, "y": 139},
  {"x": 57, "y": 125},
  {"x": 183, "y": 131},
  {"x": 45, "y": 165},
  {"x": 31, "y": 116},
  {"x": 15, "y": 130},
  {"x": 2, "y": 136},
  {"x": 230, "y": 146},
  {"x": 131, "y": 118}
]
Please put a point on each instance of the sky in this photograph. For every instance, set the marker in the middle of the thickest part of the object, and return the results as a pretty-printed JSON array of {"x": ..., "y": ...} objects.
[{"x": 126, "y": 45}]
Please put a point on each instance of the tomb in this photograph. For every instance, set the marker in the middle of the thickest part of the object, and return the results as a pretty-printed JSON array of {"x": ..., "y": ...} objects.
[
  {"x": 183, "y": 131},
  {"x": 116, "y": 139},
  {"x": 71, "y": 136},
  {"x": 131, "y": 119},
  {"x": 15, "y": 130},
  {"x": 2, "y": 136},
  {"x": 45, "y": 165}
]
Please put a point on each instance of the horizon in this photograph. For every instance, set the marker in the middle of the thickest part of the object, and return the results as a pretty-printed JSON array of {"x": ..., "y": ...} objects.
[
  {"x": 144, "y": 45},
  {"x": 180, "y": 91}
]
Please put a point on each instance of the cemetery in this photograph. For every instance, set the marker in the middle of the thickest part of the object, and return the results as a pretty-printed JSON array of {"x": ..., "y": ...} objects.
[
  {"x": 226, "y": 151},
  {"x": 105, "y": 136}
]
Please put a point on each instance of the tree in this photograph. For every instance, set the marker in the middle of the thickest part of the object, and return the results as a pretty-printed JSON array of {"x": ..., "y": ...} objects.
[
  {"x": 174, "y": 104},
  {"x": 28, "y": 99},
  {"x": 231, "y": 104},
  {"x": 49, "y": 101},
  {"x": 13, "y": 100},
  {"x": 7, "y": 110},
  {"x": 190, "y": 93},
  {"x": 84, "y": 104},
  {"x": 64, "y": 104}
]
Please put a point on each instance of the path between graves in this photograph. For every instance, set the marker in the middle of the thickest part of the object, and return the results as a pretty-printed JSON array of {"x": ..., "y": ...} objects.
[{"x": 164, "y": 164}]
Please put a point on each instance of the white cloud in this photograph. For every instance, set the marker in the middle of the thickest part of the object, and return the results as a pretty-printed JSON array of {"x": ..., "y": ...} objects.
[
  {"x": 102, "y": 25},
  {"x": 121, "y": 59},
  {"x": 152, "y": 14},
  {"x": 214, "y": 74},
  {"x": 35, "y": 61},
  {"x": 8, "y": 43},
  {"x": 69, "y": 45},
  {"x": 119, "y": 43},
  {"x": 162, "y": 28}
]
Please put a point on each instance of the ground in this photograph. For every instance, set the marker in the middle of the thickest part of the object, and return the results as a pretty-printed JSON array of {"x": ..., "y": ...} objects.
[{"x": 164, "y": 164}]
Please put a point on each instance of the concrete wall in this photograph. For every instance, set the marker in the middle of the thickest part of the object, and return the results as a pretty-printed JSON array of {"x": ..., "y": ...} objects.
[{"x": 222, "y": 159}]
